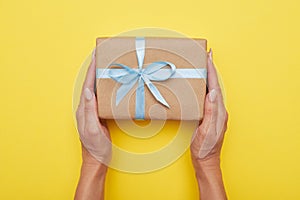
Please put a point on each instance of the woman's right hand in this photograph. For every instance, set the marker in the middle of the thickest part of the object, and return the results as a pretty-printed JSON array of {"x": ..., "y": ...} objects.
[{"x": 208, "y": 139}]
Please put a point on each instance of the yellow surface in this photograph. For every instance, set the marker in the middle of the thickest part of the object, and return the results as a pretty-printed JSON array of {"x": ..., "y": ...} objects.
[{"x": 256, "y": 48}]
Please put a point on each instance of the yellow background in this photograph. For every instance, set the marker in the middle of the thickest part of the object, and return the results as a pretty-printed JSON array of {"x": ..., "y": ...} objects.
[{"x": 256, "y": 49}]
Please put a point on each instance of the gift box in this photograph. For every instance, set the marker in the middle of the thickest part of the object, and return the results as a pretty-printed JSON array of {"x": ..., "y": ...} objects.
[{"x": 154, "y": 78}]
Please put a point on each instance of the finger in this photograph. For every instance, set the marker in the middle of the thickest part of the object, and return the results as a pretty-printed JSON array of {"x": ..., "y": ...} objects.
[
  {"x": 210, "y": 109},
  {"x": 209, "y": 116},
  {"x": 208, "y": 127},
  {"x": 89, "y": 78},
  {"x": 91, "y": 120},
  {"x": 80, "y": 118},
  {"x": 90, "y": 74},
  {"x": 96, "y": 141},
  {"x": 212, "y": 75}
]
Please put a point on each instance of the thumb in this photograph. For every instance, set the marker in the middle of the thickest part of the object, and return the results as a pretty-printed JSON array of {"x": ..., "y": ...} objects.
[
  {"x": 90, "y": 112},
  {"x": 208, "y": 125},
  {"x": 210, "y": 108}
]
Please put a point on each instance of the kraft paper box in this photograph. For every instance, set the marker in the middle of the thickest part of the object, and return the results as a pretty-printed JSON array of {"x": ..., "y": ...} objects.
[{"x": 151, "y": 78}]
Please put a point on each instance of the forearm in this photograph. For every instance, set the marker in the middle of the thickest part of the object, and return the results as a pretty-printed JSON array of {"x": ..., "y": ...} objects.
[
  {"x": 210, "y": 182},
  {"x": 91, "y": 182}
]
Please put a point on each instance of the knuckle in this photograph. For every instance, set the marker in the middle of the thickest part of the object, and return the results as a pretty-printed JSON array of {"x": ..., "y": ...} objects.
[
  {"x": 88, "y": 108},
  {"x": 225, "y": 127},
  {"x": 226, "y": 116},
  {"x": 91, "y": 130},
  {"x": 209, "y": 110},
  {"x": 78, "y": 113},
  {"x": 202, "y": 131}
]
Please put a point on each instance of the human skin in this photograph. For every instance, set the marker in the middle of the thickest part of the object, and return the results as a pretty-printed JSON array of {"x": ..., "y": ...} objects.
[
  {"x": 208, "y": 139},
  {"x": 93, "y": 136},
  {"x": 205, "y": 147}
]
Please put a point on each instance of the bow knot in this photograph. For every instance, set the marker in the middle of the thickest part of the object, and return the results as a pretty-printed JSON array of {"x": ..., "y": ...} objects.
[
  {"x": 129, "y": 76},
  {"x": 140, "y": 72}
]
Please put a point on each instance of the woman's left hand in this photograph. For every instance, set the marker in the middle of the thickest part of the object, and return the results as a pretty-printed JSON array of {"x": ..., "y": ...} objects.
[{"x": 93, "y": 132}]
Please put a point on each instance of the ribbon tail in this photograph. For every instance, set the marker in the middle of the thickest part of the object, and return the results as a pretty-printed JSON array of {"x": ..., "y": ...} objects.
[
  {"x": 157, "y": 94},
  {"x": 123, "y": 90}
]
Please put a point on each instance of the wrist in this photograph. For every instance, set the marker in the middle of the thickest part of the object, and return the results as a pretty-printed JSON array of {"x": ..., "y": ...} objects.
[
  {"x": 91, "y": 182},
  {"x": 91, "y": 165},
  {"x": 209, "y": 177},
  {"x": 206, "y": 165},
  {"x": 98, "y": 170},
  {"x": 204, "y": 173}
]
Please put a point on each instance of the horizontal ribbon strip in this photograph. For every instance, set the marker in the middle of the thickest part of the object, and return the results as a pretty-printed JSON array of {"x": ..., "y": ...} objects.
[{"x": 179, "y": 73}]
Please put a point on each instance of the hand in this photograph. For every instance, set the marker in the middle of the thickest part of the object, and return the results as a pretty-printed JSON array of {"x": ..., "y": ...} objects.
[
  {"x": 208, "y": 139},
  {"x": 93, "y": 132},
  {"x": 95, "y": 142}
]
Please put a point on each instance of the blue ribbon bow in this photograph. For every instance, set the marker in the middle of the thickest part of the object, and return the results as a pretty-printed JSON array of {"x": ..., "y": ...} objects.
[{"x": 129, "y": 76}]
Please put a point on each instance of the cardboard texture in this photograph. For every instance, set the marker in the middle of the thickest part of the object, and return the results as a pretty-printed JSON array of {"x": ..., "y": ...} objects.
[{"x": 184, "y": 95}]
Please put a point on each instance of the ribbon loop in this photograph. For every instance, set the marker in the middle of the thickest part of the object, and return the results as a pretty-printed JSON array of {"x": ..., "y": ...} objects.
[{"x": 154, "y": 72}]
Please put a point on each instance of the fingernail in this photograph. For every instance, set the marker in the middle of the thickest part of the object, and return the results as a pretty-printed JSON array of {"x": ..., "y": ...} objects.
[
  {"x": 212, "y": 95},
  {"x": 88, "y": 94},
  {"x": 210, "y": 54}
]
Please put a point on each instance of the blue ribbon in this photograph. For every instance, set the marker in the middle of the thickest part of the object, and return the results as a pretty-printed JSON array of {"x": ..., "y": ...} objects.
[{"x": 143, "y": 76}]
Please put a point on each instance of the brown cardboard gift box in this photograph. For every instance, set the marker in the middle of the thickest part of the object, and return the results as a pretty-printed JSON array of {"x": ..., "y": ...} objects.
[{"x": 185, "y": 96}]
